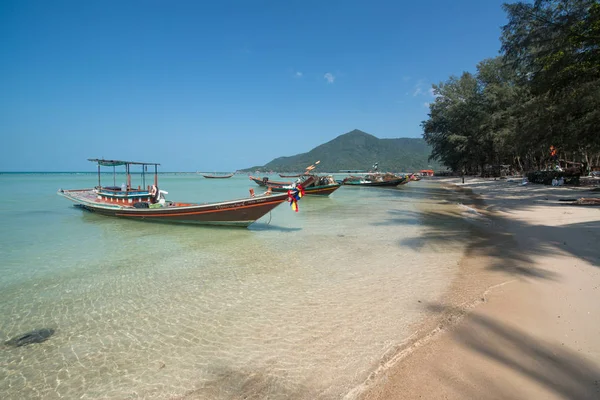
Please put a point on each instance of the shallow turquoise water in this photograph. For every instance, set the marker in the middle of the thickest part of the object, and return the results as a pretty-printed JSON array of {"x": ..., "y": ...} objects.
[{"x": 300, "y": 305}]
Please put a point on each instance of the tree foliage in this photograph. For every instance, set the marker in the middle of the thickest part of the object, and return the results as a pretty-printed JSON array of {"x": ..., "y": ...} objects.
[{"x": 544, "y": 90}]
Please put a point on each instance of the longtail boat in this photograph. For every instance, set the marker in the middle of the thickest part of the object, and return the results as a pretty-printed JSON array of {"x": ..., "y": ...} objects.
[
  {"x": 218, "y": 176},
  {"x": 149, "y": 204},
  {"x": 375, "y": 180},
  {"x": 274, "y": 184},
  {"x": 311, "y": 184},
  {"x": 267, "y": 182}
]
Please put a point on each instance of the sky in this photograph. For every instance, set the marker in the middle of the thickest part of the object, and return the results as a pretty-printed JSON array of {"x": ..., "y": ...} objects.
[{"x": 223, "y": 85}]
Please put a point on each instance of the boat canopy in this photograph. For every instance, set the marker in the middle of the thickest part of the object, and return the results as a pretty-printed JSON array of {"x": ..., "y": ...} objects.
[{"x": 116, "y": 163}]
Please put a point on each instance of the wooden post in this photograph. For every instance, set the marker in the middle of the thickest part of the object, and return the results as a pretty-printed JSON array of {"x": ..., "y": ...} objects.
[
  {"x": 155, "y": 175},
  {"x": 128, "y": 176}
]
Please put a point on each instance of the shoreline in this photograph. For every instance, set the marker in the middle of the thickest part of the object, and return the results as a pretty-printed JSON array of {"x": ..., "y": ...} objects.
[
  {"x": 495, "y": 283},
  {"x": 459, "y": 294}
]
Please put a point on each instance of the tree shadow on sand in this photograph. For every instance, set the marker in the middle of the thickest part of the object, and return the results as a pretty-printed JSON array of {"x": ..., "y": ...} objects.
[
  {"x": 494, "y": 235},
  {"x": 500, "y": 247},
  {"x": 509, "y": 196},
  {"x": 550, "y": 365}
]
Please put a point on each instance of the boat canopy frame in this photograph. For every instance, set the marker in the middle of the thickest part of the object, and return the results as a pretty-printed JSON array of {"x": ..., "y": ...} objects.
[{"x": 117, "y": 163}]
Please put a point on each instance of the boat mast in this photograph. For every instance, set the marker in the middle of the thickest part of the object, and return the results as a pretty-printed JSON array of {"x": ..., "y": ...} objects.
[{"x": 99, "y": 185}]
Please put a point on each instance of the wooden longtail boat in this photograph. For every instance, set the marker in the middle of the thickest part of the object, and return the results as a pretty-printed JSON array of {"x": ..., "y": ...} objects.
[
  {"x": 306, "y": 171},
  {"x": 312, "y": 184},
  {"x": 149, "y": 204},
  {"x": 267, "y": 182},
  {"x": 324, "y": 190},
  {"x": 217, "y": 176},
  {"x": 375, "y": 180}
]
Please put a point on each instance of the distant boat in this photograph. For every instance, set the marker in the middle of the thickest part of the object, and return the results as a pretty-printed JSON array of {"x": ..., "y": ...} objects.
[
  {"x": 290, "y": 176},
  {"x": 149, "y": 204},
  {"x": 217, "y": 176}
]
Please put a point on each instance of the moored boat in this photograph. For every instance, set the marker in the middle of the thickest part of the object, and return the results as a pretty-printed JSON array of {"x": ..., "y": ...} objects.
[
  {"x": 216, "y": 176},
  {"x": 267, "y": 182},
  {"x": 278, "y": 184},
  {"x": 311, "y": 184},
  {"x": 149, "y": 203},
  {"x": 375, "y": 180}
]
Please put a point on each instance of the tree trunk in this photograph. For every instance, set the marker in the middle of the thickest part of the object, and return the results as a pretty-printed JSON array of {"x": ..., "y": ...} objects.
[{"x": 519, "y": 164}]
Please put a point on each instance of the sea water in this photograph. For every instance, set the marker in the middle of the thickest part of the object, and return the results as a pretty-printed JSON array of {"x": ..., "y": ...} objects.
[{"x": 300, "y": 305}]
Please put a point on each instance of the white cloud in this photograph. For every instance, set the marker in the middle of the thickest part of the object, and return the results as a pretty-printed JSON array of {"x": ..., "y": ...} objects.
[
  {"x": 426, "y": 105},
  {"x": 421, "y": 89},
  {"x": 418, "y": 91},
  {"x": 329, "y": 77},
  {"x": 298, "y": 74}
]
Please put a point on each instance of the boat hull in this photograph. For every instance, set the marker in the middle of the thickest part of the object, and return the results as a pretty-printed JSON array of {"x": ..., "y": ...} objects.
[
  {"x": 391, "y": 182},
  {"x": 263, "y": 183},
  {"x": 325, "y": 190},
  {"x": 241, "y": 212},
  {"x": 217, "y": 176}
]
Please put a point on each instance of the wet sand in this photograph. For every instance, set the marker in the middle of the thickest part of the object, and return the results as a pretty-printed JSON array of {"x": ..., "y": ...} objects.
[{"x": 521, "y": 318}]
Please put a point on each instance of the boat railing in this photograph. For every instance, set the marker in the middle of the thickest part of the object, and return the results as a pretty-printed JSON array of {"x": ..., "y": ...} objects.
[{"x": 119, "y": 192}]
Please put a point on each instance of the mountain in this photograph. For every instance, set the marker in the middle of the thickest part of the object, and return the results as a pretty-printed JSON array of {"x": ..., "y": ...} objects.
[{"x": 358, "y": 150}]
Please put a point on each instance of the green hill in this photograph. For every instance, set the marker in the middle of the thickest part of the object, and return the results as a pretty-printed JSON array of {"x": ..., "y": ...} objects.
[{"x": 358, "y": 150}]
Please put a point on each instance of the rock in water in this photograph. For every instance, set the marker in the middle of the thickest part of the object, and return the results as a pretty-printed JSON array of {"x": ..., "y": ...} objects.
[{"x": 36, "y": 336}]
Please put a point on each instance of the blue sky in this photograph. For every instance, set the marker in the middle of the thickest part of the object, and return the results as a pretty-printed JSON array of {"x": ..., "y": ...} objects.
[{"x": 222, "y": 85}]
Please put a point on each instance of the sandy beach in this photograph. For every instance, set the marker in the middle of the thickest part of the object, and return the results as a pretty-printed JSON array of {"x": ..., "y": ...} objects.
[{"x": 521, "y": 318}]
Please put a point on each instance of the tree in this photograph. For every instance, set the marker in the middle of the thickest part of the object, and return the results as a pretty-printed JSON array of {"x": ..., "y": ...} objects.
[
  {"x": 554, "y": 48},
  {"x": 543, "y": 91},
  {"x": 454, "y": 125}
]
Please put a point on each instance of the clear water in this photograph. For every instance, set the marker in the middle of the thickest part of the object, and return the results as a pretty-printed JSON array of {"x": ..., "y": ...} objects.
[{"x": 300, "y": 305}]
